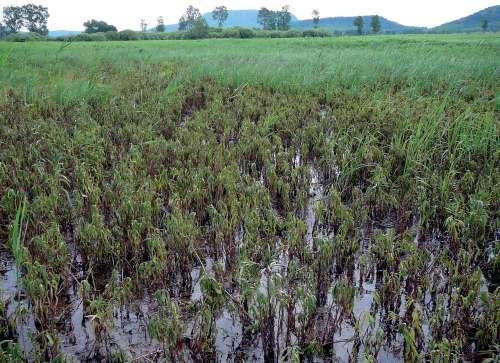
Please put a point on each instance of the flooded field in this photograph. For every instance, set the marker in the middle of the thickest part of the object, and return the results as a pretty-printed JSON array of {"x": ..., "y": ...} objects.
[{"x": 149, "y": 217}]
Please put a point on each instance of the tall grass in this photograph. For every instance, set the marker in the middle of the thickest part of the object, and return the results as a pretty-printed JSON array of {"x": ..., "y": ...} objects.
[{"x": 16, "y": 246}]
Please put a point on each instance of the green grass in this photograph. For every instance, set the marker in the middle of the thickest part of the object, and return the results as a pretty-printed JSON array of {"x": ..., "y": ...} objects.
[
  {"x": 149, "y": 159},
  {"x": 424, "y": 64}
]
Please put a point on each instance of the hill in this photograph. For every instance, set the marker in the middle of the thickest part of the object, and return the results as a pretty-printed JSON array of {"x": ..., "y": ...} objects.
[
  {"x": 472, "y": 23},
  {"x": 344, "y": 24}
]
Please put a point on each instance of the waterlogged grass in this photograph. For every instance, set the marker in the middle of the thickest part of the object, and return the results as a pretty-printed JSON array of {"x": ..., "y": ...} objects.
[{"x": 238, "y": 199}]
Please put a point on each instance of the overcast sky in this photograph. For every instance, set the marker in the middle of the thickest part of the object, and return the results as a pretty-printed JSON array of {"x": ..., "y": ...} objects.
[{"x": 70, "y": 14}]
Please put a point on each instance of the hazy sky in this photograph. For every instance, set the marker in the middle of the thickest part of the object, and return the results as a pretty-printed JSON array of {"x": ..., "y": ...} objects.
[{"x": 70, "y": 14}]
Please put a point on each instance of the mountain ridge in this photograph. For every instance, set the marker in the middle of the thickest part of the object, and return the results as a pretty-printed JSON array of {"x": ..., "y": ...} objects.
[
  {"x": 472, "y": 22},
  {"x": 344, "y": 24}
]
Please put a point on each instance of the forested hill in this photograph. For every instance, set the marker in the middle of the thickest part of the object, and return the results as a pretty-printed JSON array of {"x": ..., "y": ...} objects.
[
  {"x": 472, "y": 22},
  {"x": 345, "y": 24}
]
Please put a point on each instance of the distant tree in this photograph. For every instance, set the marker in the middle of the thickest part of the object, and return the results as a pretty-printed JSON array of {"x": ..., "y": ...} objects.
[
  {"x": 275, "y": 20},
  {"x": 35, "y": 18},
  {"x": 32, "y": 17},
  {"x": 190, "y": 18},
  {"x": 283, "y": 18},
  {"x": 199, "y": 28},
  {"x": 3, "y": 31},
  {"x": 160, "y": 26},
  {"x": 267, "y": 19},
  {"x": 358, "y": 23},
  {"x": 13, "y": 17},
  {"x": 376, "y": 24},
  {"x": 220, "y": 14},
  {"x": 315, "y": 17},
  {"x": 98, "y": 26},
  {"x": 144, "y": 25},
  {"x": 484, "y": 25},
  {"x": 182, "y": 23}
]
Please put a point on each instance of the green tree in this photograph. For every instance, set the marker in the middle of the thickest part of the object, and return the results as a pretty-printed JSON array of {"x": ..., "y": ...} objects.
[
  {"x": 359, "y": 23},
  {"x": 199, "y": 29},
  {"x": 315, "y": 17},
  {"x": 376, "y": 24},
  {"x": 35, "y": 18},
  {"x": 160, "y": 27},
  {"x": 267, "y": 19},
  {"x": 283, "y": 18},
  {"x": 190, "y": 18},
  {"x": 98, "y": 26},
  {"x": 220, "y": 14},
  {"x": 484, "y": 25},
  {"x": 3, "y": 31},
  {"x": 13, "y": 18},
  {"x": 32, "y": 17},
  {"x": 144, "y": 25}
]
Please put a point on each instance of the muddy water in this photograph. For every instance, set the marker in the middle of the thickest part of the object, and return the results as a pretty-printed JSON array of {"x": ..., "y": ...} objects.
[
  {"x": 229, "y": 335},
  {"x": 315, "y": 194},
  {"x": 18, "y": 308},
  {"x": 128, "y": 331},
  {"x": 77, "y": 339}
]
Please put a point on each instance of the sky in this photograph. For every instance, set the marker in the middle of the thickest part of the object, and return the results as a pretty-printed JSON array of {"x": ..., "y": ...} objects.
[{"x": 126, "y": 14}]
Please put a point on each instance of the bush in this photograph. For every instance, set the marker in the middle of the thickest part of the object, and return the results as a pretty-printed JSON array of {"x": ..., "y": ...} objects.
[
  {"x": 149, "y": 36},
  {"x": 316, "y": 33},
  {"x": 178, "y": 35},
  {"x": 112, "y": 36},
  {"x": 200, "y": 31},
  {"x": 86, "y": 37},
  {"x": 25, "y": 37},
  {"x": 246, "y": 33},
  {"x": 268, "y": 34},
  {"x": 230, "y": 33},
  {"x": 129, "y": 35},
  {"x": 291, "y": 34}
]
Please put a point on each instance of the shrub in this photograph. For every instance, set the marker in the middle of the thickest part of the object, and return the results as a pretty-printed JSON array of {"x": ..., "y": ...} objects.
[
  {"x": 149, "y": 36},
  {"x": 292, "y": 34},
  {"x": 25, "y": 37},
  {"x": 275, "y": 34},
  {"x": 86, "y": 37},
  {"x": 246, "y": 33},
  {"x": 178, "y": 35},
  {"x": 316, "y": 33},
  {"x": 112, "y": 36},
  {"x": 230, "y": 33},
  {"x": 129, "y": 35}
]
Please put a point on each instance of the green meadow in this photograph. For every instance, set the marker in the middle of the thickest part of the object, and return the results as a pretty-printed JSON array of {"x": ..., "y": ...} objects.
[{"x": 330, "y": 199}]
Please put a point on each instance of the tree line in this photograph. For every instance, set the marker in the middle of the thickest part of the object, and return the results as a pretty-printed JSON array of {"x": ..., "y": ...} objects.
[
  {"x": 278, "y": 20},
  {"x": 34, "y": 19}
]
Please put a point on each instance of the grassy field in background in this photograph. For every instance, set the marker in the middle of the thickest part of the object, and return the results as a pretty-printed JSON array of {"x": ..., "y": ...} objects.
[
  {"x": 251, "y": 200},
  {"x": 323, "y": 67}
]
